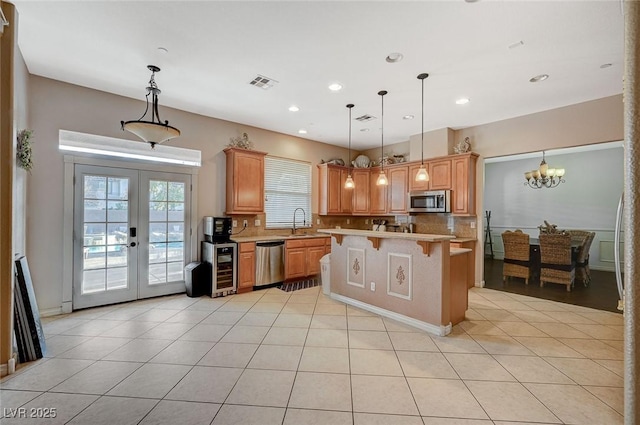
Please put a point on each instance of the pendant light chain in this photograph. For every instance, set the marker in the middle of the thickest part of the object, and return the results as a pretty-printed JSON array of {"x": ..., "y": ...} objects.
[
  {"x": 382, "y": 178},
  {"x": 422, "y": 175},
  {"x": 349, "y": 184}
]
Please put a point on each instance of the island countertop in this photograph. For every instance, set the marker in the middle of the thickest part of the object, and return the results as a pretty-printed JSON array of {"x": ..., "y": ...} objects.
[{"x": 388, "y": 235}]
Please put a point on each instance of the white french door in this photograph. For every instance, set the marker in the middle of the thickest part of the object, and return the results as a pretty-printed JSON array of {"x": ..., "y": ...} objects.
[{"x": 131, "y": 234}]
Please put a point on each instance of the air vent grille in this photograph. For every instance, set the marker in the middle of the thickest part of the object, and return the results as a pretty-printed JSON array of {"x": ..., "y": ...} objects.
[
  {"x": 263, "y": 82},
  {"x": 365, "y": 118}
]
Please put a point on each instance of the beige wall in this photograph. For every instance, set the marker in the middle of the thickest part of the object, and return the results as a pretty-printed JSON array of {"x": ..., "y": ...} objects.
[{"x": 55, "y": 105}]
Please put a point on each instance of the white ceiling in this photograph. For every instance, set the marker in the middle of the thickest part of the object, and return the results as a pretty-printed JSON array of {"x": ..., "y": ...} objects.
[{"x": 216, "y": 48}]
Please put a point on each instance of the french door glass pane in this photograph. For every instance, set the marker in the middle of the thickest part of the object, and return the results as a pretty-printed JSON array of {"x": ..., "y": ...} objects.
[{"x": 166, "y": 231}]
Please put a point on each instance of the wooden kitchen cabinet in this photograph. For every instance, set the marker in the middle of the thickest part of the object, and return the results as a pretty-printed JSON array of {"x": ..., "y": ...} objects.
[
  {"x": 302, "y": 257},
  {"x": 327, "y": 246},
  {"x": 360, "y": 205},
  {"x": 463, "y": 200},
  {"x": 377, "y": 194},
  {"x": 246, "y": 266},
  {"x": 413, "y": 184},
  {"x": 398, "y": 179},
  {"x": 245, "y": 181},
  {"x": 440, "y": 174},
  {"x": 333, "y": 197}
]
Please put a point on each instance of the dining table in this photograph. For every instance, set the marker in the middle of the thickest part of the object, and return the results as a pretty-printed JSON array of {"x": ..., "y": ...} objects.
[{"x": 534, "y": 253}]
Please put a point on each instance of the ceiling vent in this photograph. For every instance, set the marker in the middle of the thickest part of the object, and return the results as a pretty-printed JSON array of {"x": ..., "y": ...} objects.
[
  {"x": 365, "y": 118},
  {"x": 263, "y": 82}
]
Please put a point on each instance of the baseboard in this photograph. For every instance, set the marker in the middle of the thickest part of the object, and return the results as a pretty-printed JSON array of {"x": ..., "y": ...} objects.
[
  {"x": 428, "y": 327},
  {"x": 51, "y": 312}
]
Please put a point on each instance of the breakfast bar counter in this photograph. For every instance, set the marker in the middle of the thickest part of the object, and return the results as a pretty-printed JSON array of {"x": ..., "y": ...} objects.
[{"x": 404, "y": 276}]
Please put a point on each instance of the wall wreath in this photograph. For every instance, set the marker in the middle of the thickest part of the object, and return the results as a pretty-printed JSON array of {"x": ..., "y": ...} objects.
[{"x": 24, "y": 151}]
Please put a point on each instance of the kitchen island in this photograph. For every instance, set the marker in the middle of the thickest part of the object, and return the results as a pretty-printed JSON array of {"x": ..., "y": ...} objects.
[{"x": 404, "y": 276}]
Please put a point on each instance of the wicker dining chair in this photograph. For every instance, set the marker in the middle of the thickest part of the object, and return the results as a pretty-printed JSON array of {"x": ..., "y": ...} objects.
[
  {"x": 582, "y": 259},
  {"x": 579, "y": 235},
  {"x": 516, "y": 255},
  {"x": 556, "y": 265}
]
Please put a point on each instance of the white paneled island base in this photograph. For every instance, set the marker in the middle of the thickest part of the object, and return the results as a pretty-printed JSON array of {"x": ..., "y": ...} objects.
[{"x": 404, "y": 276}]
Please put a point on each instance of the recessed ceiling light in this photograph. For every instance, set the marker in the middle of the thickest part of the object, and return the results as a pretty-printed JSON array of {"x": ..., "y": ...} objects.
[
  {"x": 394, "y": 57},
  {"x": 605, "y": 65},
  {"x": 518, "y": 44},
  {"x": 302, "y": 131},
  {"x": 408, "y": 117},
  {"x": 364, "y": 129},
  {"x": 539, "y": 78},
  {"x": 335, "y": 86},
  {"x": 163, "y": 50},
  {"x": 462, "y": 101},
  {"x": 293, "y": 108}
]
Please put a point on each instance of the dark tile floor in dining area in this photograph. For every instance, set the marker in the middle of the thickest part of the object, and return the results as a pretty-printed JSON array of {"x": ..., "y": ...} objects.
[{"x": 601, "y": 293}]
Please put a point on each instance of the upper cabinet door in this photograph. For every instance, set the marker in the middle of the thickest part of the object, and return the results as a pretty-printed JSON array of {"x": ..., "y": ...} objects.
[
  {"x": 417, "y": 185},
  {"x": 378, "y": 194},
  {"x": 464, "y": 185},
  {"x": 361, "y": 191},
  {"x": 398, "y": 190},
  {"x": 346, "y": 195},
  {"x": 245, "y": 181},
  {"x": 440, "y": 174}
]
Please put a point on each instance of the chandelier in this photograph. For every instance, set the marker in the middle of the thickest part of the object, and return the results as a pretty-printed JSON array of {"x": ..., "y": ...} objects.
[
  {"x": 544, "y": 176},
  {"x": 153, "y": 131}
]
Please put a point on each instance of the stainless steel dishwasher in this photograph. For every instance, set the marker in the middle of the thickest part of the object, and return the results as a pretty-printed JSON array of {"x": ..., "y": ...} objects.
[{"x": 269, "y": 262}]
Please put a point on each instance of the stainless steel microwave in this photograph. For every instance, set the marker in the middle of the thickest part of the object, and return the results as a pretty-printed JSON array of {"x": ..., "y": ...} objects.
[{"x": 438, "y": 201}]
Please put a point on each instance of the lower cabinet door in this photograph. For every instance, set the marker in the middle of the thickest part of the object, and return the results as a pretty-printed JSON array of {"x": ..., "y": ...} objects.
[
  {"x": 246, "y": 271},
  {"x": 295, "y": 263},
  {"x": 314, "y": 254}
]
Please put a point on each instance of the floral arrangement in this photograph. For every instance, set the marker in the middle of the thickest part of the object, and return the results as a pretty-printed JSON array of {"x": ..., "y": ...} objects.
[
  {"x": 24, "y": 150},
  {"x": 242, "y": 142}
]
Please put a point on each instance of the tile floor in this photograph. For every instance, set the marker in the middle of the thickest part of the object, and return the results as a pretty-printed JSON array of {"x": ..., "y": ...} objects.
[{"x": 271, "y": 357}]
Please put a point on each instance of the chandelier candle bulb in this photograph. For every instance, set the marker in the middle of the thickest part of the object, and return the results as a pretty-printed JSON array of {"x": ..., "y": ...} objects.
[{"x": 544, "y": 176}]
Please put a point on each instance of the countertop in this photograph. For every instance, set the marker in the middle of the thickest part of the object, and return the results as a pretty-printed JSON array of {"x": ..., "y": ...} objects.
[
  {"x": 463, "y": 240},
  {"x": 258, "y": 238},
  {"x": 458, "y": 251},
  {"x": 388, "y": 235}
]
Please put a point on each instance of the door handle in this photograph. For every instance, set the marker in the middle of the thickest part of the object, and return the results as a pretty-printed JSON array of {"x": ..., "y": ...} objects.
[
  {"x": 132, "y": 232},
  {"x": 132, "y": 244}
]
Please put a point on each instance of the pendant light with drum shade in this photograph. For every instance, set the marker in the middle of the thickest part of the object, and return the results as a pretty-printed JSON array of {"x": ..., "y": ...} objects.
[
  {"x": 154, "y": 131},
  {"x": 349, "y": 184},
  {"x": 382, "y": 177},
  {"x": 422, "y": 175}
]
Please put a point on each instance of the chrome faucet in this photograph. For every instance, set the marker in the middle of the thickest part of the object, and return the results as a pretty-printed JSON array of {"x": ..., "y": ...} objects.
[{"x": 304, "y": 219}]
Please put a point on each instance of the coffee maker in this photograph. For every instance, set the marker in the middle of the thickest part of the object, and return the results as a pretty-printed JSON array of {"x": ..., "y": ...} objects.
[{"x": 217, "y": 229}]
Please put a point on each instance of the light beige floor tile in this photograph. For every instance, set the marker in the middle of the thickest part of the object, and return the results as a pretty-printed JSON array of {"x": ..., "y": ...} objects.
[
  {"x": 548, "y": 347},
  {"x": 264, "y": 307},
  {"x": 482, "y": 367},
  {"x": 604, "y": 317},
  {"x": 355, "y": 311},
  {"x": 455, "y": 421},
  {"x": 412, "y": 341},
  {"x": 532, "y": 369},
  {"x": 559, "y": 330},
  {"x": 519, "y": 329},
  {"x": 96, "y": 348},
  {"x": 370, "y": 340},
  {"x": 374, "y": 362},
  {"x": 178, "y": 302},
  {"x": 293, "y": 321},
  {"x": 365, "y": 323},
  {"x": 206, "y": 332},
  {"x": 249, "y": 415},
  {"x": 447, "y": 398},
  {"x": 501, "y": 345},
  {"x": 115, "y": 410},
  {"x": 205, "y": 384},
  {"x": 586, "y": 372},
  {"x": 575, "y": 405},
  {"x": 593, "y": 349},
  {"x": 611, "y": 332},
  {"x": 52, "y": 409},
  {"x": 615, "y": 366},
  {"x": 257, "y": 319},
  {"x": 461, "y": 343},
  {"x": 533, "y": 316},
  {"x": 326, "y": 299},
  {"x": 138, "y": 350},
  {"x": 395, "y": 326},
  {"x": 167, "y": 331},
  {"x": 325, "y": 359},
  {"x": 189, "y": 316},
  {"x": 12, "y": 399},
  {"x": 331, "y": 309},
  {"x": 510, "y": 401},
  {"x": 98, "y": 378},
  {"x": 481, "y": 327},
  {"x": 326, "y": 391},
  {"x": 544, "y": 305},
  {"x": 382, "y": 394},
  {"x": 237, "y": 306},
  {"x": 275, "y": 297},
  {"x": 58, "y": 344},
  {"x": 223, "y": 318},
  {"x": 297, "y": 308},
  {"x": 130, "y": 329},
  {"x": 512, "y": 305},
  {"x": 229, "y": 355},
  {"x": 169, "y": 412},
  {"x": 150, "y": 381},
  {"x": 569, "y": 317},
  {"x": 495, "y": 295},
  {"x": 380, "y": 419},
  {"x": 156, "y": 315},
  {"x": 277, "y": 357},
  {"x": 60, "y": 325},
  {"x": 207, "y": 304},
  {"x": 337, "y": 338},
  {"x": 612, "y": 397},
  {"x": 46, "y": 375},
  {"x": 246, "y": 334},
  {"x": 495, "y": 315},
  {"x": 302, "y": 299},
  {"x": 317, "y": 417},
  {"x": 124, "y": 313},
  {"x": 481, "y": 303},
  {"x": 94, "y": 327},
  {"x": 286, "y": 336},
  {"x": 262, "y": 388},
  {"x": 471, "y": 314},
  {"x": 328, "y": 322},
  {"x": 617, "y": 344},
  {"x": 183, "y": 352},
  {"x": 425, "y": 365}
]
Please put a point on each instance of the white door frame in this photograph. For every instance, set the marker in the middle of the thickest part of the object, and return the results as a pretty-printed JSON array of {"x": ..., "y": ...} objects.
[{"x": 67, "y": 225}]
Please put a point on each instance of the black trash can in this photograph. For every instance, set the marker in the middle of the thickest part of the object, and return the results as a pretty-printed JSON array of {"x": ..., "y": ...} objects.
[{"x": 197, "y": 279}]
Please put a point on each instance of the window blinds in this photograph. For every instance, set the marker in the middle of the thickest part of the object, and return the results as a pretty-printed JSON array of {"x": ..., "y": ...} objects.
[{"x": 287, "y": 186}]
